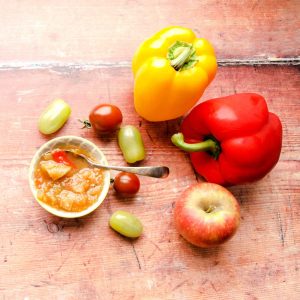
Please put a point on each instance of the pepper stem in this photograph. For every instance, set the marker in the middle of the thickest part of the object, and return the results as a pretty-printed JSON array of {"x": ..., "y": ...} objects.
[
  {"x": 207, "y": 145},
  {"x": 182, "y": 55}
]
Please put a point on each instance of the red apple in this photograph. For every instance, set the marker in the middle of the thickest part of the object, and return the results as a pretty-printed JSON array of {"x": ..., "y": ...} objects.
[{"x": 207, "y": 215}]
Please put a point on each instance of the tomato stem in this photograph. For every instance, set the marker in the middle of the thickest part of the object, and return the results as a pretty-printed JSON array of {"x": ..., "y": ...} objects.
[{"x": 86, "y": 124}]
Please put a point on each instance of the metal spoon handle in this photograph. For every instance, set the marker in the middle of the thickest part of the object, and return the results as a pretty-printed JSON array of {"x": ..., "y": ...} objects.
[{"x": 157, "y": 171}]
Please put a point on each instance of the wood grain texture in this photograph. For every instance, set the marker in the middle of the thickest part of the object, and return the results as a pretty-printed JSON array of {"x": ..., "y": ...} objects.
[
  {"x": 44, "y": 257},
  {"x": 110, "y": 31}
]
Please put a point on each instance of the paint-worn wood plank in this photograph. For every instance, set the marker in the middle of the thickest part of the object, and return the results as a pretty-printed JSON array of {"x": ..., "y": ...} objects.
[
  {"x": 110, "y": 31},
  {"x": 46, "y": 257}
]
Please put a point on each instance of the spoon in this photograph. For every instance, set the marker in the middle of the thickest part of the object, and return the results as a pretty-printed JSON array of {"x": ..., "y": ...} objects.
[{"x": 153, "y": 171}]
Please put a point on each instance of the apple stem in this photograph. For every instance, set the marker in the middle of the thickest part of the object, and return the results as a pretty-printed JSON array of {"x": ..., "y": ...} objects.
[{"x": 210, "y": 209}]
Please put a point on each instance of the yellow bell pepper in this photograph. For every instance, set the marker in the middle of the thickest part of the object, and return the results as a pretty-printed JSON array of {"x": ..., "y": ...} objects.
[{"x": 171, "y": 71}]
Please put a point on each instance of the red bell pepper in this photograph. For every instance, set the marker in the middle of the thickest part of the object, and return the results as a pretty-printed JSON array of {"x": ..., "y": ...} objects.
[{"x": 232, "y": 140}]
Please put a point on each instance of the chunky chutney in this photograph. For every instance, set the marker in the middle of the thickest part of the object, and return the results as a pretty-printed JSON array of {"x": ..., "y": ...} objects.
[{"x": 66, "y": 181}]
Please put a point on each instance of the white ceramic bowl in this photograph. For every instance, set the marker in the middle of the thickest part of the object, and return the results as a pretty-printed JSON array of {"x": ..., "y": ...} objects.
[{"x": 82, "y": 143}]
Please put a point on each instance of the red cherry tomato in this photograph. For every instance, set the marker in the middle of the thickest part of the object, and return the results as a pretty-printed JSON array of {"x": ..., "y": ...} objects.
[
  {"x": 61, "y": 156},
  {"x": 127, "y": 183},
  {"x": 105, "y": 117}
]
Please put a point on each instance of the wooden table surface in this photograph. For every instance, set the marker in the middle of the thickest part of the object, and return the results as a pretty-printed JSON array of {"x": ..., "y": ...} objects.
[{"x": 81, "y": 50}]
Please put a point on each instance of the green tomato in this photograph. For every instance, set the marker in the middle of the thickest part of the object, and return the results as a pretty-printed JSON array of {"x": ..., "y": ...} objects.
[
  {"x": 126, "y": 224},
  {"x": 131, "y": 144},
  {"x": 54, "y": 116}
]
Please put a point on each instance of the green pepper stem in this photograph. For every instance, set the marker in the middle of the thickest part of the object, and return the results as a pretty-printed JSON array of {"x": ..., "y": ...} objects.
[
  {"x": 208, "y": 145},
  {"x": 182, "y": 55}
]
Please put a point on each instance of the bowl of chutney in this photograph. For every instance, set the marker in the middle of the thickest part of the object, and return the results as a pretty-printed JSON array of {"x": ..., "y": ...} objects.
[{"x": 65, "y": 184}]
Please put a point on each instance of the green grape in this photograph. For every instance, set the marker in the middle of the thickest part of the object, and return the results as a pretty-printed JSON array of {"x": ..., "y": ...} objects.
[
  {"x": 54, "y": 116},
  {"x": 126, "y": 224},
  {"x": 131, "y": 144}
]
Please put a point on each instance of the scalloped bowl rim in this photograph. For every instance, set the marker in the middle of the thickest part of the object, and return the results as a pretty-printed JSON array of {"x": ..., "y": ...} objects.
[{"x": 89, "y": 146}]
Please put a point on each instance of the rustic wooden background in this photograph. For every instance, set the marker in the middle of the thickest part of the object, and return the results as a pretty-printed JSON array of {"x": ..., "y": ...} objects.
[{"x": 80, "y": 50}]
